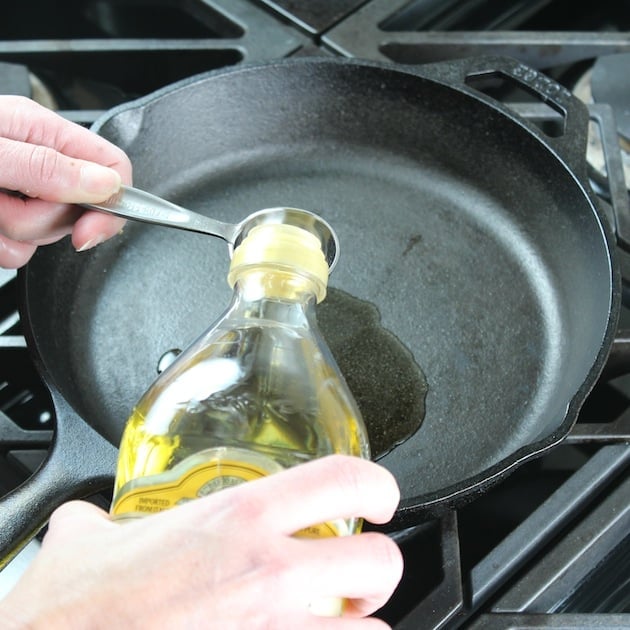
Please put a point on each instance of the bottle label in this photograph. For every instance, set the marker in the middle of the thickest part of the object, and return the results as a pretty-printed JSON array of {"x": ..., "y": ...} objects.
[
  {"x": 322, "y": 530},
  {"x": 200, "y": 480}
]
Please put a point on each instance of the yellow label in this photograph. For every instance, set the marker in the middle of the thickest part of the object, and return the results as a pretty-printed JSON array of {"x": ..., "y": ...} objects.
[
  {"x": 323, "y": 530},
  {"x": 198, "y": 481}
]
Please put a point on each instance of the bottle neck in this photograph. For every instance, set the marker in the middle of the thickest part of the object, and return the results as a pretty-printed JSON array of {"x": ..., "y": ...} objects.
[{"x": 274, "y": 292}]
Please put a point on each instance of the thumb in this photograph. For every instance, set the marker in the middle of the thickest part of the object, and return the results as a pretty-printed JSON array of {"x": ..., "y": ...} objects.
[
  {"x": 73, "y": 518},
  {"x": 40, "y": 171}
]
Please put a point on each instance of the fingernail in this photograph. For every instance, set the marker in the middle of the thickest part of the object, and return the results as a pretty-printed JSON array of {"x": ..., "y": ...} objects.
[
  {"x": 93, "y": 242},
  {"x": 99, "y": 180}
]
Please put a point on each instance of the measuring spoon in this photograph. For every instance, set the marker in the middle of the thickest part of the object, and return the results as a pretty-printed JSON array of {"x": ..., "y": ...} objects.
[{"x": 139, "y": 205}]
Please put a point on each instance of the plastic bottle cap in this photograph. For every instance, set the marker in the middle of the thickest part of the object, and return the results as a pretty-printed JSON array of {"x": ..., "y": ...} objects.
[{"x": 285, "y": 246}]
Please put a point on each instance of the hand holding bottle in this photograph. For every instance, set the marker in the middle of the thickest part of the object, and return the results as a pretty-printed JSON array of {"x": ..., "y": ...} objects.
[{"x": 228, "y": 560}]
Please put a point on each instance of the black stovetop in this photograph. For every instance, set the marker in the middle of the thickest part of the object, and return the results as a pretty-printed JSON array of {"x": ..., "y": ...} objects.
[{"x": 550, "y": 546}]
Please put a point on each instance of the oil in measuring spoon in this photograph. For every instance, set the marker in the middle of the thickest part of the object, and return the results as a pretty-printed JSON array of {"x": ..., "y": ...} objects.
[{"x": 386, "y": 381}]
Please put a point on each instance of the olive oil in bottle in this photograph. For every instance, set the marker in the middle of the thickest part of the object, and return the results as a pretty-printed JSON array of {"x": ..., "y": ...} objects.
[{"x": 258, "y": 392}]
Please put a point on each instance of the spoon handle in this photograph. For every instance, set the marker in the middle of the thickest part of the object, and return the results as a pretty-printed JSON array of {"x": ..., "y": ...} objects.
[{"x": 139, "y": 205}]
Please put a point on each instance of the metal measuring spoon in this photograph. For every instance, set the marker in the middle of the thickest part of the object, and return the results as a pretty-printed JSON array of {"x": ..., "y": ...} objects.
[{"x": 139, "y": 205}]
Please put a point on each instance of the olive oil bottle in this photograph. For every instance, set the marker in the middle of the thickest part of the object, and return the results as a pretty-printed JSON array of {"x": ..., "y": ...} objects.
[{"x": 258, "y": 392}]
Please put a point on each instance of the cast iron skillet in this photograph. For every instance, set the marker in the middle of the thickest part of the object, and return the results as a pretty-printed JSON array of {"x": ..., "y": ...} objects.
[{"x": 475, "y": 267}]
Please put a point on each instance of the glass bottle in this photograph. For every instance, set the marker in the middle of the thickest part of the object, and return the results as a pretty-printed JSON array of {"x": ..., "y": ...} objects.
[{"x": 258, "y": 392}]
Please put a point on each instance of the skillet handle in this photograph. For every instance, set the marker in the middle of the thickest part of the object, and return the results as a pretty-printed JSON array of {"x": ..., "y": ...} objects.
[
  {"x": 470, "y": 74},
  {"x": 80, "y": 463}
]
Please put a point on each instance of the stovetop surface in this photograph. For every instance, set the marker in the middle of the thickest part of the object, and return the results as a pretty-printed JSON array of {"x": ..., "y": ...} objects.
[{"x": 549, "y": 546}]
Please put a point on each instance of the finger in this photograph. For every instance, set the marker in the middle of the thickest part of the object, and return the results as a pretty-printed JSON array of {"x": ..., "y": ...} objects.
[
  {"x": 325, "y": 489},
  {"x": 14, "y": 254},
  {"x": 41, "y": 171},
  {"x": 27, "y": 121},
  {"x": 370, "y": 572},
  {"x": 73, "y": 510},
  {"x": 74, "y": 518},
  {"x": 41, "y": 222},
  {"x": 33, "y": 219},
  {"x": 93, "y": 228},
  {"x": 335, "y": 487}
]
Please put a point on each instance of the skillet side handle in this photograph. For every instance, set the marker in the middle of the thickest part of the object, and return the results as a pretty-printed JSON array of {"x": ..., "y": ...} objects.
[
  {"x": 569, "y": 140},
  {"x": 80, "y": 463}
]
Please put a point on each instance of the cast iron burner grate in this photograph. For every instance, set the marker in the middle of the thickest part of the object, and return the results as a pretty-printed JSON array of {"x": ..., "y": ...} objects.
[
  {"x": 549, "y": 546},
  {"x": 84, "y": 57},
  {"x": 423, "y": 31}
]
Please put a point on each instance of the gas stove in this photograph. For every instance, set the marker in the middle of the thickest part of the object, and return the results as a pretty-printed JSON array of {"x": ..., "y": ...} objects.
[{"x": 550, "y": 546}]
